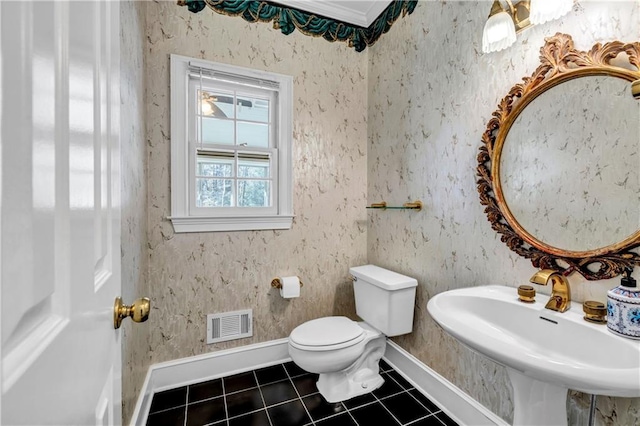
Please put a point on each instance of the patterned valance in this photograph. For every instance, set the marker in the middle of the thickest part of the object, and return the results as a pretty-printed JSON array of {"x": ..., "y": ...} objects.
[{"x": 288, "y": 20}]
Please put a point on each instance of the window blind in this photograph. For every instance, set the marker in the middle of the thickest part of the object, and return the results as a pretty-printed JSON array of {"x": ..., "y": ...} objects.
[
  {"x": 204, "y": 152},
  {"x": 196, "y": 71}
]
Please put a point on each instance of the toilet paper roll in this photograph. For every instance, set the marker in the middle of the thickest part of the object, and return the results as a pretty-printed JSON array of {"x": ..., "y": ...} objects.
[{"x": 290, "y": 287}]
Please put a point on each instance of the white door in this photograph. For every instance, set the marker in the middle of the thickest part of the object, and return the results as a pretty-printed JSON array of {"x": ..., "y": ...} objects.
[{"x": 60, "y": 213}]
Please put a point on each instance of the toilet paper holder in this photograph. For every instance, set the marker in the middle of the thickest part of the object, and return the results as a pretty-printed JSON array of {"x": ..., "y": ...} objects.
[{"x": 276, "y": 283}]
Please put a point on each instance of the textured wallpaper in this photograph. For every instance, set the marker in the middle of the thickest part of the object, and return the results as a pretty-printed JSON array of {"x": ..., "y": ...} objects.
[
  {"x": 135, "y": 265},
  {"x": 431, "y": 93},
  {"x": 192, "y": 275}
]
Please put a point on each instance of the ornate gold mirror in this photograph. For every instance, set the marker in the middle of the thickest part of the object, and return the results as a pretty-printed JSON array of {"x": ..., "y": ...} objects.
[{"x": 559, "y": 169}]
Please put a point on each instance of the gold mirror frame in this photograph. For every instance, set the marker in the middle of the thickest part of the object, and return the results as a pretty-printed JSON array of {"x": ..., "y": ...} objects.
[{"x": 559, "y": 62}]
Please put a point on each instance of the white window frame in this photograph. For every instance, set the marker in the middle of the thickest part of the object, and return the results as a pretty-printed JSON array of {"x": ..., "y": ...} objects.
[{"x": 185, "y": 217}]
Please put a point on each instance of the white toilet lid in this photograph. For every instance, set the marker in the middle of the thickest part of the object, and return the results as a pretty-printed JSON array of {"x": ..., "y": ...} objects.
[{"x": 327, "y": 331}]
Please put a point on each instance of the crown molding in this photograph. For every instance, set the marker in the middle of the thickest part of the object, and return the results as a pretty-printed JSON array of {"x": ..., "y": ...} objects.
[
  {"x": 376, "y": 8},
  {"x": 287, "y": 20},
  {"x": 340, "y": 11}
]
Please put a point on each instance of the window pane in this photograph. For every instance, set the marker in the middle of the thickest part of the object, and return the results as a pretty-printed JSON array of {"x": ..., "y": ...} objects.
[
  {"x": 254, "y": 193},
  {"x": 252, "y": 109},
  {"x": 214, "y": 192},
  {"x": 253, "y": 169},
  {"x": 216, "y": 104},
  {"x": 253, "y": 134},
  {"x": 214, "y": 167},
  {"x": 217, "y": 131}
]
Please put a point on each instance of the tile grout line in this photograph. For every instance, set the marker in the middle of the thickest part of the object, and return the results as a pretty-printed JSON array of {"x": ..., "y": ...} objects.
[
  {"x": 346, "y": 411},
  {"x": 165, "y": 409},
  {"x": 422, "y": 418},
  {"x": 330, "y": 416},
  {"x": 284, "y": 402},
  {"x": 359, "y": 406},
  {"x": 351, "y": 415},
  {"x": 425, "y": 407},
  {"x": 397, "y": 393},
  {"x": 378, "y": 401},
  {"x": 385, "y": 407},
  {"x": 241, "y": 390},
  {"x": 247, "y": 413},
  {"x": 255, "y": 376},
  {"x": 224, "y": 395},
  {"x": 186, "y": 405},
  {"x": 349, "y": 410},
  {"x": 416, "y": 399},
  {"x": 298, "y": 393}
]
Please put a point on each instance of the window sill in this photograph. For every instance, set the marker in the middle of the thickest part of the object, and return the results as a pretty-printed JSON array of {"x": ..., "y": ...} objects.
[{"x": 224, "y": 224}]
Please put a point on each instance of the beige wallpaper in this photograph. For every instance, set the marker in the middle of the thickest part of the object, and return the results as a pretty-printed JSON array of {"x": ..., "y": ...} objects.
[
  {"x": 135, "y": 265},
  {"x": 431, "y": 93},
  {"x": 192, "y": 275}
]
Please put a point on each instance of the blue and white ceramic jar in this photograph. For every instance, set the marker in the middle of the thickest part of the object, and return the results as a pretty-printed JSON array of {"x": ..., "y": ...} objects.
[{"x": 623, "y": 308}]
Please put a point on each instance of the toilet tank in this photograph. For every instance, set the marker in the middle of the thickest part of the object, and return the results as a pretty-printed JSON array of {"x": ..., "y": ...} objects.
[{"x": 384, "y": 299}]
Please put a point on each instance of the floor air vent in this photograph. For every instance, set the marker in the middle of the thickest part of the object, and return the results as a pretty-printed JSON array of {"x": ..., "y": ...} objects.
[{"x": 229, "y": 326}]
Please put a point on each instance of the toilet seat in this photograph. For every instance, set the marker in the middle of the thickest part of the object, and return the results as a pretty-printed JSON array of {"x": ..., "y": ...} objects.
[{"x": 326, "y": 334}]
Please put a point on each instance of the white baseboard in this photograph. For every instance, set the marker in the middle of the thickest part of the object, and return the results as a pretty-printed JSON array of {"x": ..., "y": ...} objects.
[
  {"x": 167, "y": 375},
  {"x": 200, "y": 368},
  {"x": 453, "y": 401}
]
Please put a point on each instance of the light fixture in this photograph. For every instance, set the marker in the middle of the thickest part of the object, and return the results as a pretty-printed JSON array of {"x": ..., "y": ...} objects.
[
  {"x": 499, "y": 31},
  {"x": 504, "y": 23},
  {"x": 209, "y": 108}
]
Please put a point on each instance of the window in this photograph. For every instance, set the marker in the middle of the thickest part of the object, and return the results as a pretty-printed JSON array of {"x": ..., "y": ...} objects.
[{"x": 231, "y": 132}]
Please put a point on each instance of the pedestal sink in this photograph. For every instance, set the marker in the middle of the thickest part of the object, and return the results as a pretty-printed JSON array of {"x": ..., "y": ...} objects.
[{"x": 545, "y": 352}]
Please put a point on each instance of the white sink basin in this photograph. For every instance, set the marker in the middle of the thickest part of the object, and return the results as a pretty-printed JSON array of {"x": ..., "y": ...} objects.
[{"x": 545, "y": 352}]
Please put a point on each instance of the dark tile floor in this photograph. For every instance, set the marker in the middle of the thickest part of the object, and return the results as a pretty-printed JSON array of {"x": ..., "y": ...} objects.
[{"x": 285, "y": 395}]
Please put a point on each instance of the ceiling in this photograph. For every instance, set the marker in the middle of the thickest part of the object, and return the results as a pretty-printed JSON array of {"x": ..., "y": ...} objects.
[{"x": 357, "y": 12}]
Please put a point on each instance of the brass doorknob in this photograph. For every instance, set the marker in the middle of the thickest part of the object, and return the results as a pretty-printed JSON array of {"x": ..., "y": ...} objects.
[{"x": 139, "y": 311}]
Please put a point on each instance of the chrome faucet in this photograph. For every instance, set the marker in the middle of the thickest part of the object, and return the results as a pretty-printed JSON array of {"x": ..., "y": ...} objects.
[{"x": 560, "y": 299}]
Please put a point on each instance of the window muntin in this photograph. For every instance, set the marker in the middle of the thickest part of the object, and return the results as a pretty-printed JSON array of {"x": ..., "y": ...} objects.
[
  {"x": 235, "y": 153},
  {"x": 227, "y": 114},
  {"x": 233, "y": 179}
]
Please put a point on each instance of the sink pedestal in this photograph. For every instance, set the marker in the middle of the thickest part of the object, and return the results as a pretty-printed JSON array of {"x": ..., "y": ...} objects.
[{"x": 537, "y": 403}]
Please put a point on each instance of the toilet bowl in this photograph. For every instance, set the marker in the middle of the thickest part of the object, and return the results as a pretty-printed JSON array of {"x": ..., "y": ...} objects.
[{"x": 344, "y": 353}]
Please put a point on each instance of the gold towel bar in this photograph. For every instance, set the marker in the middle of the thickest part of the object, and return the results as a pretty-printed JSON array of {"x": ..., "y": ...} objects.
[
  {"x": 416, "y": 205},
  {"x": 276, "y": 283}
]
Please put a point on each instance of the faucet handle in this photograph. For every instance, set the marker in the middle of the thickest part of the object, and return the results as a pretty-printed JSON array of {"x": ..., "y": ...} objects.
[
  {"x": 526, "y": 294},
  {"x": 595, "y": 312}
]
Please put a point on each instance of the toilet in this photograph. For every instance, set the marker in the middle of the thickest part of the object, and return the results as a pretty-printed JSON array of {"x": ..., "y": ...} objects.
[{"x": 346, "y": 353}]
